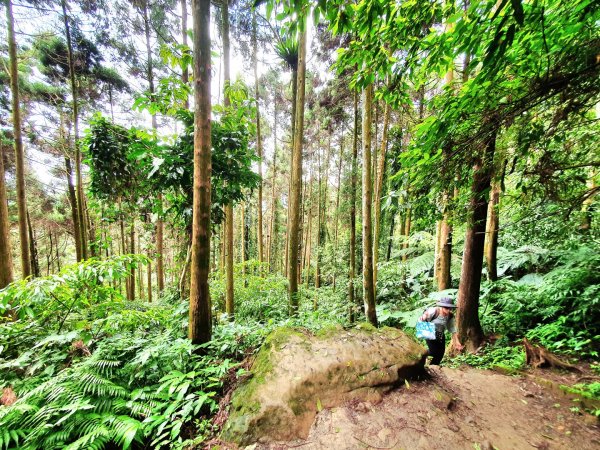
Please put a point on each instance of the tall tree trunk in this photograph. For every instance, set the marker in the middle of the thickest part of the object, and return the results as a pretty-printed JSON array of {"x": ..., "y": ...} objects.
[
  {"x": 444, "y": 238},
  {"x": 378, "y": 190},
  {"x": 322, "y": 211},
  {"x": 75, "y": 103},
  {"x": 353, "y": 187},
  {"x": 160, "y": 275},
  {"x": 470, "y": 333},
  {"x": 229, "y": 301},
  {"x": 259, "y": 237},
  {"x": 19, "y": 156},
  {"x": 184, "y": 40},
  {"x": 320, "y": 224},
  {"x": 271, "y": 237},
  {"x": 301, "y": 229},
  {"x": 200, "y": 308},
  {"x": 288, "y": 223},
  {"x": 308, "y": 241},
  {"x": 308, "y": 199},
  {"x": 337, "y": 207},
  {"x": 368, "y": 287},
  {"x": 493, "y": 222},
  {"x": 6, "y": 263},
  {"x": 296, "y": 176},
  {"x": 72, "y": 197}
]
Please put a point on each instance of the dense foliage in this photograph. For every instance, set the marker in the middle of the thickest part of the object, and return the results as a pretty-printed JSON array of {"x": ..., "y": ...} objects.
[{"x": 478, "y": 105}]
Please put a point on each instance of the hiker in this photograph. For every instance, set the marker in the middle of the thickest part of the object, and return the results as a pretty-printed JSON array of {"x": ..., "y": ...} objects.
[{"x": 442, "y": 316}]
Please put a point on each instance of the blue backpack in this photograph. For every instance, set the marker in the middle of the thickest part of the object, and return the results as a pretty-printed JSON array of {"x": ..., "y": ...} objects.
[{"x": 426, "y": 329}]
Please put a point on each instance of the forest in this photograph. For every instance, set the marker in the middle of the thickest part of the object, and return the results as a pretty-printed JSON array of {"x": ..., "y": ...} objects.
[{"x": 188, "y": 187}]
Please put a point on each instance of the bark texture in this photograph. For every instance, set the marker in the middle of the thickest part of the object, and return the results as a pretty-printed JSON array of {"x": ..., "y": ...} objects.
[
  {"x": 6, "y": 263},
  {"x": 493, "y": 222},
  {"x": 75, "y": 104},
  {"x": 368, "y": 287},
  {"x": 259, "y": 237},
  {"x": 296, "y": 176},
  {"x": 378, "y": 189},
  {"x": 354, "y": 182},
  {"x": 19, "y": 156},
  {"x": 470, "y": 333},
  {"x": 229, "y": 301},
  {"x": 200, "y": 309}
]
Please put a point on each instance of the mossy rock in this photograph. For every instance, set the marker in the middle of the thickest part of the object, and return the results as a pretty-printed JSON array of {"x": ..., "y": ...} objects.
[{"x": 297, "y": 373}]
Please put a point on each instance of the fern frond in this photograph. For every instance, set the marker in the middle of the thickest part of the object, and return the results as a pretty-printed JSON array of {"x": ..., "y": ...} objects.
[{"x": 95, "y": 384}]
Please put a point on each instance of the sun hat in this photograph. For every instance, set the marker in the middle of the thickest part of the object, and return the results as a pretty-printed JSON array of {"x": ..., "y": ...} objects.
[{"x": 446, "y": 302}]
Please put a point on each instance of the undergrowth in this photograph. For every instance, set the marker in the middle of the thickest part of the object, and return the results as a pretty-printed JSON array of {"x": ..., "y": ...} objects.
[{"x": 91, "y": 370}]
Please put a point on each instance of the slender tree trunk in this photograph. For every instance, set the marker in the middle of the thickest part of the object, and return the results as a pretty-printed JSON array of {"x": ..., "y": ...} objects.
[
  {"x": 444, "y": 239},
  {"x": 322, "y": 211},
  {"x": 493, "y": 222},
  {"x": 6, "y": 263},
  {"x": 259, "y": 237},
  {"x": 296, "y": 176},
  {"x": 93, "y": 250},
  {"x": 229, "y": 301},
  {"x": 271, "y": 237},
  {"x": 160, "y": 276},
  {"x": 123, "y": 247},
  {"x": 184, "y": 40},
  {"x": 390, "y": 238},
  {"x": 319, "y": 225},
  {"x": 470, "y": 333},
  {"x": 72, "y": 198},
  {"x": 140, "y": 279},
  {"x": 200, "y": 306},
  {"x": 308, "y": 246},
  {"x": 337, "y": 212},
  {"x": 289, "y": 197},
  {"x": 149, "y": 280},
  {"x": 305, "y": 215},
  {"x": 378, "y": 190},
  {"x": 445, "y": 250},
  {"x": 26, "y": 269},
  {"x": 368, "y": 287},
  {"x": 57, "y": 253},
  {"x": 49, "y": 254},
  {"x": 131, "y": 295},
  {"x": 353, "y": 187},
  {"x": 75, "y": 103},
  {"x": 35, "y": 265},
  {"x": 407, "y": 225},
  {"x": 302, "y": 229}
]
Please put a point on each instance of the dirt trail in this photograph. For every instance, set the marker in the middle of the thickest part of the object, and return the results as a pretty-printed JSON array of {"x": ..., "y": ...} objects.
[{"x": 455, "y": 409}]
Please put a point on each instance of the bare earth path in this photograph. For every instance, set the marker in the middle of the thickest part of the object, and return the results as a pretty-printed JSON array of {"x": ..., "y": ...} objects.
[{"x": 456, "y": 409}]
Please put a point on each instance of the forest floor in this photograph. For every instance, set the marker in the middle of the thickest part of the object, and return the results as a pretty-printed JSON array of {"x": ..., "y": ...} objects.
[{"x": 462, "y": 408}]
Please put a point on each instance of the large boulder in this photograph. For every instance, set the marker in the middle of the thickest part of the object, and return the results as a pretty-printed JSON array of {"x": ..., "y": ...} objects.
[{"x": 297, "y": 373}]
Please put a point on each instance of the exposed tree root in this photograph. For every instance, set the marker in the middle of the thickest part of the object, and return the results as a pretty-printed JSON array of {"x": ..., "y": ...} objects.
[{"x": 537, "y": 356}]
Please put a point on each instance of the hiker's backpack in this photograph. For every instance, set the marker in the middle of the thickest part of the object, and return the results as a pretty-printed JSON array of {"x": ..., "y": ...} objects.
[{"x": 426, "y": 329}]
